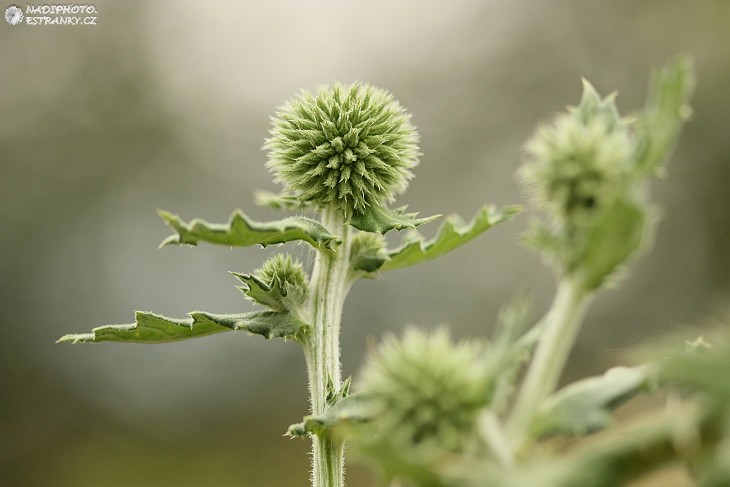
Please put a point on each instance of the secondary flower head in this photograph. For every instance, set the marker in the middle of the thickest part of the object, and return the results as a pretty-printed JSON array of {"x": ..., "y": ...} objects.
[
  {"x": 282, "y": 272},
  {"x": 429, "y": 389},
  {"x": 581, "y": 160},
  {"x": 347, "y": 146}
]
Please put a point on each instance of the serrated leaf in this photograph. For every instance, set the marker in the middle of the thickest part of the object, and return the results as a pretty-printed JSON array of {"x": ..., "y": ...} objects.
[
  {"x": 147, "y": 328},
  {"x": 268, "y": 324},
  {"x": 153, "y": 328},
  {"x": 453, "y": 233},
  {"x": 241, "y": 231},
  {"x": 382, "y": 220},
  {"x": 354, "y": 409},
  {"x": 585, "y": 406}
]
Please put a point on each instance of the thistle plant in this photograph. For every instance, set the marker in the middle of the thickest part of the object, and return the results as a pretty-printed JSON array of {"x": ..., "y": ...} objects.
[
  {"x": 345, "y": 147},
  {"x": 432, "y": 411},
  {"x": 429, "y": 411},
  {"x": 342, "y": 153}
]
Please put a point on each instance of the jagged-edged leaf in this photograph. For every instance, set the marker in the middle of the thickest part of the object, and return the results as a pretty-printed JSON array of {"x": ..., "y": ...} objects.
[
  {"x": 382, "y": 220},
  {"x": 585, "y": 406},
  {"x": 453, "y": 233},
  {"x": 153, "y": 328},
  {"x": 147, "y": 328},
  {"x": 241, "y": 231},
  {"x": 354, "y": 409},
  {"x": 259, "y": 292},
  {"x": 268, "y": 324}
]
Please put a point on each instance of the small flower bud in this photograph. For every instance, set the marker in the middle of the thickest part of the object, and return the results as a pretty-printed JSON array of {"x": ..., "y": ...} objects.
[
  {"x": 429, "y": 390},
  {"x": 580, "y": 161},
  {"x": 587, "y": 170},
  {"x": 281, "y": 272},
  {"x": 368, "y": 251},
  {"x": 347, "y": 146}
]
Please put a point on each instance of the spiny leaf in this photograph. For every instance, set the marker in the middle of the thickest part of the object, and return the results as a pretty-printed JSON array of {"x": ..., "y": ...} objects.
[
  {"x": 354, "y": 409},
  {"x": 584, "y": 406},
  {"x": 241, "y": 231},
  {"x": 268, "y": 324},
  {"x": 381, "y": 220},
  {"x": 147, "y": 328},
  {"x": 153, "y": 328},
  {"x": 452, "y": 234}
]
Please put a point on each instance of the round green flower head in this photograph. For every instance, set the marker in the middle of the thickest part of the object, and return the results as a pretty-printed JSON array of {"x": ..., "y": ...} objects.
[
  {"x": 282, "y": 272},
  {"x": 580, "y": 162},
  {"x": 347, "y": 146},
  {"x": 429, "y": 390},
  {"x": 576, "y": 166}
]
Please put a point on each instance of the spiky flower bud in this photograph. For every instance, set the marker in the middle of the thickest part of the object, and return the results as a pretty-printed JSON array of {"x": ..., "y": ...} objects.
[
  {"x": 368, "y": 251},
  {"x": 579, "y": 162},
  {"x": 285, "y": 274},
  {"x": 429, "y": 389},
  {"x": 347, "y": 146},
  {"x": 587, "y": 171}
]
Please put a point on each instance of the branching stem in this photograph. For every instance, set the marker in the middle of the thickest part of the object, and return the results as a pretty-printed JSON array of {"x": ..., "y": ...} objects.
[{"x": 561, "y": 327}]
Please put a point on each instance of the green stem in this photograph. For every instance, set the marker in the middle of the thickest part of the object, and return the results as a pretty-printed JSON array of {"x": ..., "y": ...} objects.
[
  {"x": 329, "y": 286},
  {"x": 561, "y": 327}
]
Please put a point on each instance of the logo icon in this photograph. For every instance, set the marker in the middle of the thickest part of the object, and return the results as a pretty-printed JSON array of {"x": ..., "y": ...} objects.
[{"x": 13, "y": 15}]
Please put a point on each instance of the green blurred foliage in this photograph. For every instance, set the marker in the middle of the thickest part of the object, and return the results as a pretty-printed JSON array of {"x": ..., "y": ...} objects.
[{"x": 167, "y": 107}]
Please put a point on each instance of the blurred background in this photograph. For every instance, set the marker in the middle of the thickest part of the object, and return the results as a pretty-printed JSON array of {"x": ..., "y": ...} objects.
[{"x": 166, "y": 105}]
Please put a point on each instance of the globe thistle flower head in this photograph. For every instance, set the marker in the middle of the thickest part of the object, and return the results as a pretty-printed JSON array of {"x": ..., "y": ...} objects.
[
  {"x": 581, "y": 170},
  {"x": 347, "y": 146},
  {"x": 429, "y": 389},
  {"x": 581, "y": 161}
]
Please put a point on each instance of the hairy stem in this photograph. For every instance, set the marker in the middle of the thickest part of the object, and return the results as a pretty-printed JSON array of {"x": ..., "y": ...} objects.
[
  {"x": 560, "y": 330},
  {"x": 329, "y": 286}
]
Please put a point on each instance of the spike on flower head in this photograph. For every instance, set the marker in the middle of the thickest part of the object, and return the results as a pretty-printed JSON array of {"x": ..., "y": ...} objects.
[{"x": 347, "y": 146}]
